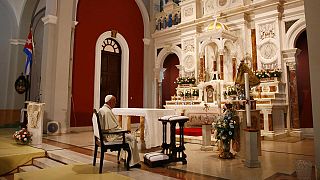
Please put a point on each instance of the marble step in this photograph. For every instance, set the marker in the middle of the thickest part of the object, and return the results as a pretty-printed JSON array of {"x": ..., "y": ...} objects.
[
  {"x": 28, "y": 168},
  {"x": 46, "y": 163},
  {"x": 69, "y": 157}
]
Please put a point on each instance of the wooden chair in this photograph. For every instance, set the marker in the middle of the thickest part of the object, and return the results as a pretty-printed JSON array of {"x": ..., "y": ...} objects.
[{"x": 100, "y": 141}]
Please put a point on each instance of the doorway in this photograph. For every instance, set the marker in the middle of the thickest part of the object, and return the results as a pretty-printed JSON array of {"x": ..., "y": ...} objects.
[
  {"x": 170, "y": 75},
  {"x": 303, "y": 82},
  {"x": 110, "y": 79}
]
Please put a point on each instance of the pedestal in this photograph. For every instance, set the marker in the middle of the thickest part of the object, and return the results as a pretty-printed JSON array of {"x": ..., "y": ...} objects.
[
  {"x": 255, "y": 122},
  {"x": 251, "y": 154},
  {"x": 206, "y": 138},
  {"x": 35, "y": 113}
]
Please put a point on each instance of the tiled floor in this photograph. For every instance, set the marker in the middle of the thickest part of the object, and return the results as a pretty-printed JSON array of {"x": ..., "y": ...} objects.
[{"x": 277, "y": 160}]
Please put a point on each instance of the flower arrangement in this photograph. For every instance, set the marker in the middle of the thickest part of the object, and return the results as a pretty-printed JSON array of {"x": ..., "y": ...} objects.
[
  {"x": 268, "y": 73},
  {"x": 23, "y": 136},
  {"x": 185, "y": 80},
  {"x": 195, "y": 92},
  {"x": 225, "y": 131},
  {"x": 275, "y": 73},
  {"x": 230, "y": 91}
]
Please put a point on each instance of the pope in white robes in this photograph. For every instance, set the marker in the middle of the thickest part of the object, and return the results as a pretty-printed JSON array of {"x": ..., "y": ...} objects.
[{"x": 110, "y": 122}]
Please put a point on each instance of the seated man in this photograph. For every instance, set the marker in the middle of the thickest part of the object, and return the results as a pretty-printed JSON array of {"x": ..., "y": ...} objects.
[{"x": 110, "y": 122}]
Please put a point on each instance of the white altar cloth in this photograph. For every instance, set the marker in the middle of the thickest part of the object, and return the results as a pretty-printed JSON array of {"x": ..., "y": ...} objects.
[{"x": 152, "y": 127}]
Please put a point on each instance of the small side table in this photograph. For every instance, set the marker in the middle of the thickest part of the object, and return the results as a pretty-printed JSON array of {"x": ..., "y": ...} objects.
[{"x": 176, "y": 153}]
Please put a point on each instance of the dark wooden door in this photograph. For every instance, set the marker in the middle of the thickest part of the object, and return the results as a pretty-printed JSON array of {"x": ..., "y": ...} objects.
[{"x": 110, "y": 81}]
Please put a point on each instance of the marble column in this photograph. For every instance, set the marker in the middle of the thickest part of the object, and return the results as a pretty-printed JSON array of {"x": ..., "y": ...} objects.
[
  {"x": 290, "y": 57},
  {"x": 56, "y": 61},
  {"x": 221, "y": 66},
  {"x": 234, "y": 68},
  {"x": 293, "y": 100},
  {"x": 202, "y": 70},
  {"x": 159, "y": 93},
  {"x": 254, "y": 49},
  {"x": 48, "y": 59}
]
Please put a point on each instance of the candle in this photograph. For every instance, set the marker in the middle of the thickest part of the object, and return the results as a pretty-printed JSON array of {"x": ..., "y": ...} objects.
[{"x": 247, "y": 91}]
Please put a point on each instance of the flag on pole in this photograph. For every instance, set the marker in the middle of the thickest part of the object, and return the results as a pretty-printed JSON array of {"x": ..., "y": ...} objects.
[{"x": 28, "y": 48}]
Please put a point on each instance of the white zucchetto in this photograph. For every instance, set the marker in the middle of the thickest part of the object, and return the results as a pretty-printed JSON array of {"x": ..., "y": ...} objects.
[{"x": 107, "y": 98}]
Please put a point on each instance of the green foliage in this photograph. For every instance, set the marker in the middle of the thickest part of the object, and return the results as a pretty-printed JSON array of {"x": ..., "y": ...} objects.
[
  {"x": 186, "y": 80},
  {"x": 268, "y": 73}
]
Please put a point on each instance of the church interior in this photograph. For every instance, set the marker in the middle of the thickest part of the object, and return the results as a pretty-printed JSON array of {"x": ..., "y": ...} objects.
[{"x": 209, "y": 89}]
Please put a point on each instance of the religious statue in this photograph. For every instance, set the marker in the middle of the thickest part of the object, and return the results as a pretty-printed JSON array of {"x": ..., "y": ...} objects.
[{"x": 243, "y": 68}]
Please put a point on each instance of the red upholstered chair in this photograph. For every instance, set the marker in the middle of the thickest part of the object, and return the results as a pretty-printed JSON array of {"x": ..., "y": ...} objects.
[{"x": 100, "y": 141}]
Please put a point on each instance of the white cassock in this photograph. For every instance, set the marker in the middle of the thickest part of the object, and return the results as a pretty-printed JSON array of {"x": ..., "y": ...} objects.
[{"x": 111, "y": 123}]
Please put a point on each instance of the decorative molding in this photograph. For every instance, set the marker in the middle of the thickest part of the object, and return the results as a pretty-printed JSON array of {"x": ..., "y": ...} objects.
[
  {"x": 189, "y": 63},
  {"x": 75, "y": 23},
  {"x": 223, "y": 3},
  {"x": 293, "y": 32},
  {"x": 290, "y": 57},
  {"x": 146, "y": 41},
  {"x": 291, "y": 65},
  {"x": 17, "y": 41},
  {"x": 49, "y": 19},
  {"x": 188, "y": 12},
  {"x": 188, "y": 46},
  {"x": 209, "y": 7},
  {"x": 268, "y": 51},
  {"x": 165, "y": 52},
  {"x": 267, "y": 30}
]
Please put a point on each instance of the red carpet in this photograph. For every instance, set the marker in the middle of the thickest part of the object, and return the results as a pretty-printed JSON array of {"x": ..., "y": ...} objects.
[{"x": 190, "y": 131}]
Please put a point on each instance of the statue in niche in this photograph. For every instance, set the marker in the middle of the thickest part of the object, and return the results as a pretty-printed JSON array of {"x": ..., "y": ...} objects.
[
  {"x": 162, "y": 3},
  {"x": 165, "y": 23},
  {"x": 175, "y": 20},
  {"x": 178, "y": 17},
  {"x": 158, "y": 24},
  {"x": 170, "y": 20}
]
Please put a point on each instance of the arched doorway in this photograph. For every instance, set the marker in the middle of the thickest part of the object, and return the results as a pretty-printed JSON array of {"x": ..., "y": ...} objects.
[
  {"x": 170, "y": 75},
  {"x": 303, "y": 82},
  {"x": 110, "y": 79}
]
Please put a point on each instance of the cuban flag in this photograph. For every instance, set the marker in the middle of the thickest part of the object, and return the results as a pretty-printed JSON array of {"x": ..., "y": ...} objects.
[{"x": 28, "y": 48}]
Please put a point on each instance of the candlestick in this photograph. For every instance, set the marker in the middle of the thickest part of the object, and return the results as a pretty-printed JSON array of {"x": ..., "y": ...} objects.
[{"x": 247, "y": 91}]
